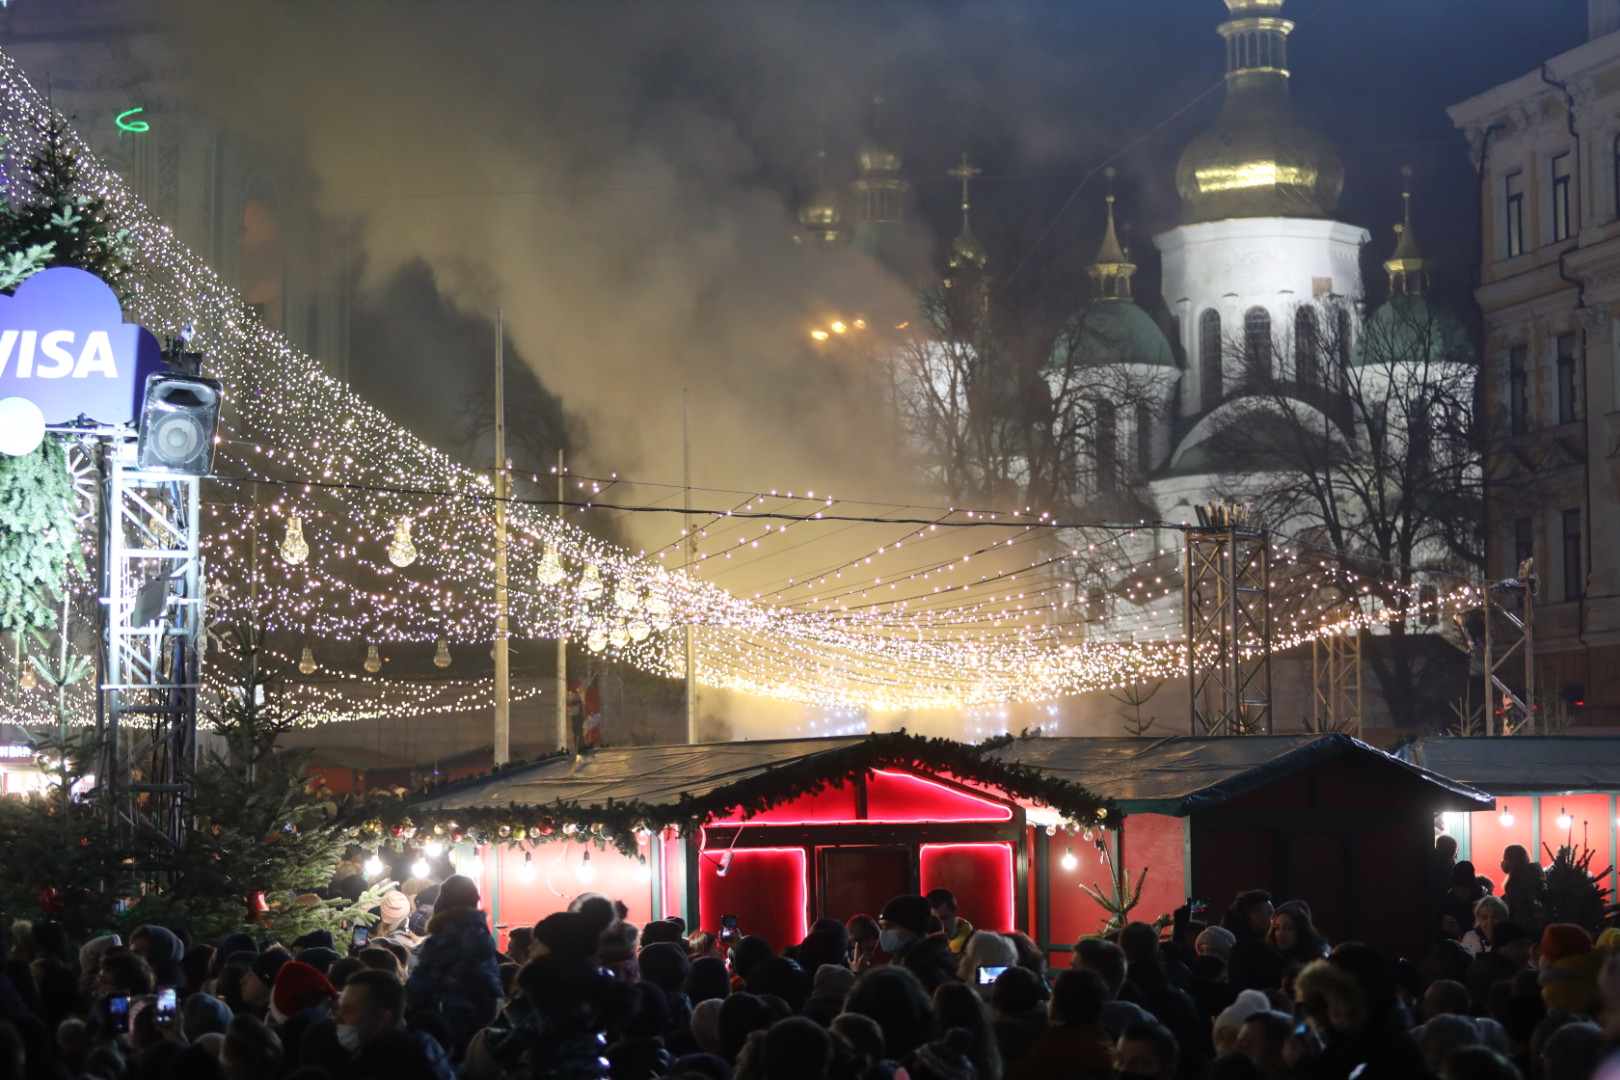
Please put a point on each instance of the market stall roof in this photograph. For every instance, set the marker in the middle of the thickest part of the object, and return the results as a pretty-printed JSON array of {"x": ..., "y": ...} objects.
[
  {"x": 1180, "y": 775},
  {"x": 1523, "y": 764},
  {"x": 659, "y": 775}
]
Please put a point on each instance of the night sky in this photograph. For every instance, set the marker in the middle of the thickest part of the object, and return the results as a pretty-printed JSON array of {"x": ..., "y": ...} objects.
[{"x": 622, "y": 177}]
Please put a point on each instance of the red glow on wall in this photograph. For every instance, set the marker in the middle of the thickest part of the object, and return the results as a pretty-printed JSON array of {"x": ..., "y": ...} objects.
[
  {"x": 981, "y": 876},
  {"x": 764, "y": 887},
  {"x": 1156, "y": 842},
  {"x": 901, "y": 798},
  {"x": 546, "y": 883},
  {"x": 891, "y": 798}
]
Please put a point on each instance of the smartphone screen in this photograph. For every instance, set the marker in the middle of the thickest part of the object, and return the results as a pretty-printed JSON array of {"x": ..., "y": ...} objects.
[
  {"x": 988, "y": 975},
  {"x": 166, "y": 1006},
  {"x": 118, "y": 1015},
  {"x": 1200, "y": 908},
  {"x": 361, "y": 936}
]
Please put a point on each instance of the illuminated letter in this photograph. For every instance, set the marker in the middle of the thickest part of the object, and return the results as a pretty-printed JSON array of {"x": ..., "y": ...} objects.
[
  {"x": 61, "y": 361},
  {"x": 8, "y": 341},
  {"x": 97, "y": 356},
  {"x": 25, "y": 359}
]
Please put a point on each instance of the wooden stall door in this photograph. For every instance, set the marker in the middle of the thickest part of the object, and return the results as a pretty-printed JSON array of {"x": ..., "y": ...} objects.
[{"x": 860, "y": 880}]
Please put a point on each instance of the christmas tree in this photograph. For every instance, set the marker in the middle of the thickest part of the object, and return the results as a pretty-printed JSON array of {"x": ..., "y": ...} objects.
[{"x": 261, "y": 843}]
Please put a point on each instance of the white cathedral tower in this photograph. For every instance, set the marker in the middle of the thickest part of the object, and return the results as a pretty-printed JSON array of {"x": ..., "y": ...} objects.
[{"x": 1262, "y": 281}]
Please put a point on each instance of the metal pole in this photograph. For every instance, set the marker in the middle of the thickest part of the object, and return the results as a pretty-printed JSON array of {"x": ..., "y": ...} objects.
[
  {"x": 1530, "y": 705},
  {"x": 503, "y": 674},
  {"x": 561, "y": 708},
  {"x": 691, "y": 558},
  {"x": 1489, "y": 706}
]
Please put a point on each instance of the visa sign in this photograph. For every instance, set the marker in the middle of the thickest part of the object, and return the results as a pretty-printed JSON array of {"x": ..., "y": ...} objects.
[{"x": 65, "y": 347}]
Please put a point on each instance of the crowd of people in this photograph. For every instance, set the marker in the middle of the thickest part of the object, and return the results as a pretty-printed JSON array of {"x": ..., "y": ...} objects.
[{"x": 915, "y": 992}]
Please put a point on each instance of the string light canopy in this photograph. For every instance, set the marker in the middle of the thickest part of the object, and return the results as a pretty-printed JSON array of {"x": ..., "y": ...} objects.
[{"x": 385, "y": 539}]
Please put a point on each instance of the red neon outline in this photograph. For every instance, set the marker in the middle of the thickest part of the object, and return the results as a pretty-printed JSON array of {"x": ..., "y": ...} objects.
[
  {"x": 1005, "y": 850},
  {"x": 998, "y": 811},
  {"x": 803, "y": 882}
]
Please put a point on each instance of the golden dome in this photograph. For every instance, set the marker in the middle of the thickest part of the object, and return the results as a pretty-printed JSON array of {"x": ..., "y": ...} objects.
[
  {"x": 877, "y": 154},
  {"x": 1259, "y": 159},
  {"x": 822, "y": 210}
]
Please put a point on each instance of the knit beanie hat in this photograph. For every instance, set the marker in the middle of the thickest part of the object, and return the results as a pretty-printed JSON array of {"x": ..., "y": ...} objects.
[
  {"x": 300, "y": 986},
  {"x": 706, "y": 1025},
  {"x": 664, "y": 964},
  {"x": 1247, "y": 1004},
  {"x": 1564, "y": 939},
  {"x": 1218, "y": 940},
  {"x": 319, "y": 959},
  {"x": 96, "y": 948},
  {"x": 395, "y": 906},
  {"x": 832, "y": 980},
  {"x": 268, "y": 963},
  {"x": 567, "y": 934},
  {"x": 911, "y": 912},
  {"x": 202, "y": 1014},
  {"x": 315, "y": 939},
  {"x": 943, "y": 1059},
  {"x": 660, "y": 930}
]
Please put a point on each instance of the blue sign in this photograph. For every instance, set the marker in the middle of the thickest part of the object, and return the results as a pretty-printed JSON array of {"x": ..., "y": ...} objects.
[{"x": 65, "y": 347}]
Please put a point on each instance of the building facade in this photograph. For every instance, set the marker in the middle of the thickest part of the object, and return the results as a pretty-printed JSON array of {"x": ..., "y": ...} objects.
[{"x": 1547, "y": 149}]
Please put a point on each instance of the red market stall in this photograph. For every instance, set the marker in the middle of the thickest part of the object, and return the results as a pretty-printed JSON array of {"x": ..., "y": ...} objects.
[
  {"x": 1323, "y": 818},
  {"x": 1551, "y": 791},
  {"x": 782, "y": 832}
]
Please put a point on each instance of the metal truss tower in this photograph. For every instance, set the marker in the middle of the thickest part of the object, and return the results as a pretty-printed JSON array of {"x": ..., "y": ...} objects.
[
  {"x": 153, "y": 612},
  {"x": 1228, "y": 614},
  {"x": 1336, "y": 682}
]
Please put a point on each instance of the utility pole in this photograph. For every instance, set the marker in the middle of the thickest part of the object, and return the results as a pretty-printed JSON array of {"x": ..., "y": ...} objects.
[
  {"x": 691, "y": 559},
  {"x": 503, "y": 672},
  {"x": 561, "y": 707}
]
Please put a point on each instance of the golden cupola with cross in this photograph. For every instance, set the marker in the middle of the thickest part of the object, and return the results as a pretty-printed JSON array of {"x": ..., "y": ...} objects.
[{"x": 1259, "y": 159}]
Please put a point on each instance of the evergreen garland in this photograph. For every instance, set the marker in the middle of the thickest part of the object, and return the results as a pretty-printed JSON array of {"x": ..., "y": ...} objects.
[
  {"x": 395, "y": 820},
  {"x": 39, "y": 540}
]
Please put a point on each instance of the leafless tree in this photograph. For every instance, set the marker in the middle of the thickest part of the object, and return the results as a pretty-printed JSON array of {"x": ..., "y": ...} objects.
[{"x": 1370, "y": 448}]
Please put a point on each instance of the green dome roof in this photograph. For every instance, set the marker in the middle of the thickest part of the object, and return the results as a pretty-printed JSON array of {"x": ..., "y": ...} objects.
[
  {"x": 1112, "y": 332},
  {"x": 1408, "y": 328}
]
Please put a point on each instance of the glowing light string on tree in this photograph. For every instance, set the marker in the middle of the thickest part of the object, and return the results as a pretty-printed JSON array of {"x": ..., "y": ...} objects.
[{"x": 291, "y": 421}]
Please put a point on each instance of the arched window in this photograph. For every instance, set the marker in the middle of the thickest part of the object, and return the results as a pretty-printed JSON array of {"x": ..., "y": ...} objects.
[
  {"x": 1344, "y": 343},
  {"x": 1257, "y": 344},
  {"x": 1144, "y": 440},
  {"x": 1107, "y": 436},
  {"x": 1209, "y": 358},
  {"x": 1307, "y": 348}
]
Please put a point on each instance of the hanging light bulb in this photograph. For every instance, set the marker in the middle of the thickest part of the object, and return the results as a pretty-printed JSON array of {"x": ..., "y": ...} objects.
[
  {"x": 294, "y": 549},
  {"x": 590, "y": 583},
  {"x": 725, "y": 865},
  {"x": 526, "y": 872},
  {"x": 306, "y": 661},
  {"x": 373, "y": 660},
  {"x": 27, "y": 680},
  {"x": 657, "y": 605},
  {"x": 441, "y": 654},
  {"x": 401, "y": 552},
  {"x": 596, "y": 640},
  {"x": 1070, "y": 861},
  {"x": 373, "y": 866},
  {"x": 1564, "y": 820},
  {"x": 586, "y": 873},
  {"x": 1507, "y": 816},
  {"x": 551, "y": 570},
  {"x": 643, "y": 871},
  {"x": 420, "y": 868},
  {"x": 639, "y": 629},
  {"x": 432, "y": 849},
  {"x": 624, "y": 596},
  {"x": 619, "y": 635}
]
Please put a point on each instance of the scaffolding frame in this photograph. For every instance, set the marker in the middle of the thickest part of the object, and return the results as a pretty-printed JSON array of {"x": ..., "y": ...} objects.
[
  {"x": 152, "y": 614},
  {"x": 1336, "y": 699},
  {"x": 1227, "y": 600},
  {"x": 1518, "y": 713}
]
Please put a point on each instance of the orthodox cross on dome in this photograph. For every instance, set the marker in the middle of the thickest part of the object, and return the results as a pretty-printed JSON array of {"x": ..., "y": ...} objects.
[
  {"x": 966, "y": 250},
  {"x": 1408, "y": 270},
  {"x": 1113, "y": 268}
]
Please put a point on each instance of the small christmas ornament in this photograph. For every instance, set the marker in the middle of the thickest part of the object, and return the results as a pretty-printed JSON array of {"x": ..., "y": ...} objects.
[
  {"x": 256, "y": 907},
  {"x": 505, "y": 830},
  {"x": 520, "y": 833}
]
